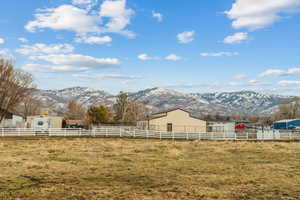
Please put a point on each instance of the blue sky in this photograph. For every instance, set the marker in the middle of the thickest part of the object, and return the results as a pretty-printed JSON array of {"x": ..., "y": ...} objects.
[{"x": 129, "y": 45}]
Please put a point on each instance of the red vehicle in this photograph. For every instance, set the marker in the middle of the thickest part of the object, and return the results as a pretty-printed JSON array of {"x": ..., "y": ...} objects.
[{"x": 240, "y": 127}]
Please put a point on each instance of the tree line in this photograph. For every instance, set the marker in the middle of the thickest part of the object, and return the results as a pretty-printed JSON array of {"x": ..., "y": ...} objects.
[{"x": 125, "y": 111}]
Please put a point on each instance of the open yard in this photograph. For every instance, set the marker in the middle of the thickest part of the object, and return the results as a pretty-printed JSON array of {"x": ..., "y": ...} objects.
[{"x": 102, "y": 169}]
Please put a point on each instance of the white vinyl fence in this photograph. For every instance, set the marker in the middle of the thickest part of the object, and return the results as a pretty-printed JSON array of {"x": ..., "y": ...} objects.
[{"x": 124, "y": 132}]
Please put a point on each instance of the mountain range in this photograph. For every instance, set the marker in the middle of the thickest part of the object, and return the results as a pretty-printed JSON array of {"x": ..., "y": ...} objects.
[{"x": 156, "y": 99}]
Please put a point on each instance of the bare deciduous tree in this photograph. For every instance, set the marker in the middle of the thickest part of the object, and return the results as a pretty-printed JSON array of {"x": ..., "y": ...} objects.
[
  {"x": 30, "y": 106},
  {"x": 75, "y": 111},
  {"x": 128, "y": 111},
  {"x": 289, "y": 110},
  {"x": 15, "y": 85}
]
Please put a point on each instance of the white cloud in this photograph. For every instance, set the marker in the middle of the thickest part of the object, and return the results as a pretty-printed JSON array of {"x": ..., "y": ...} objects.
[
  {"x": 6, "y": 54},
  {"x": 186, "y": 37},
  {"x": 119, "y": 16},
  {"x": 81, "y": 2},
  {"x": 2, "y": 41},
  {"x": 41, "y": 48},
  {"x": 108, "y": 76},
  {"x": 94, "y": 40},
  {"x": 80, "y": 20},
  {"x": 209, "y": 85},
  {"x": 256, "y": 14},
  {"x": 65, "y": 17},
  {"x": 22, "y": 39},
  {"x": 287, "y": 83},
  {"x": 52, "y": 68},
  {"x": 205, "y": 54},
  {"x": 253, "y": 81},
  {"x": 145, "y": 56},
  {"x": 173, "y": 57},
  {"x": 157, "y": 16},
  {"x": 279, "y": 72},
  {"x": 236, "y": 38},
  {"x": 240, "y": 76},
  {"x": 87, "y": 62}
]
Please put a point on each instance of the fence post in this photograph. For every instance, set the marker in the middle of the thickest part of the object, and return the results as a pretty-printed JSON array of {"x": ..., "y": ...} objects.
[
  {"x": 120, "y": 132},
  {"x": 187, "y": 136},
  {"x": 235, "y": 136},
  {"x": 173, "y": 136},
  {"x": 106, "y": 132},
  {"x": 80, "y": 133},
  {"x": 160, "y": 135},
  {"x": 199, "y": 136},
  {"x": 19, "y": 132},
  {"x": 147, "y": 134},
  {"x": 2, "y": 132},
  {"x": 133, "y": 133},
  {"x": 290, "y": 135},
  {"x": 247, "y": 135}
]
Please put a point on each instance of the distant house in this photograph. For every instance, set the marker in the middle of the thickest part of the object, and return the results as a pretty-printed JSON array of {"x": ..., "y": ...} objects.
[
  {"x": 12, "y": 120},
  {"x": 174, "y": 120},
  {"x": 74, "y": 123},
  {"x": 220, "y": 126},
  {"x": 53, "y": 121},
  {"x": 287, "y": 124}
]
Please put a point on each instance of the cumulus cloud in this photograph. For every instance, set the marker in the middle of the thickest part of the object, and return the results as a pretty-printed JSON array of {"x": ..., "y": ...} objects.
[
  {"x": 186, "y": 37},
  {"x": 81, "y": 21},
  {"x": 256, "y": 14},
  {"x": 119, "y": 16},
  {"x": 87, "y": 62},
  {"x": 205, "y": 54},
  {"x": 236, "y": 38},
  {"x": 2, "y": 41},
  {"x": 108, "y": 76},
  {"x": 279, "y": 72},
  {"x": 173, "y": 57},
  {"x": 157, "y": 16},
  {"x": 52, "y": 68},
  {"x": 22, "y": 39},
  {"x": 41, "y": 48},
  {"x": 94, "y": 40},
  {"x": 145, "y": 56},
  {"x": 65, "y": 17}
]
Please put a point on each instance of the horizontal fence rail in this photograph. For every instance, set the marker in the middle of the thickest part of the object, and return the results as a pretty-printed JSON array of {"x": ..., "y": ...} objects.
[{"x": 123, "y": 132}]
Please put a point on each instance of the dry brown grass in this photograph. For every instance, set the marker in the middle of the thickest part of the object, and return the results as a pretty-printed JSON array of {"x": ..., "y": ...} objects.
[{"x": 87, "y": 168}]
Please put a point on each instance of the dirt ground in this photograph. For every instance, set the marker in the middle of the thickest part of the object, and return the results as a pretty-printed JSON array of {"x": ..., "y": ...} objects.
[{"x": 119, "y": 169}]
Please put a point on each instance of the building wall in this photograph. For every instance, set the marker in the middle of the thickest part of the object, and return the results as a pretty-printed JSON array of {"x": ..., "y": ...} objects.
[
  {"x": 14, "y": 122},
  {"x": 181, "y": 122},
  {"x": 286, "y": 125},
  {"x": 55, "y": 122}
]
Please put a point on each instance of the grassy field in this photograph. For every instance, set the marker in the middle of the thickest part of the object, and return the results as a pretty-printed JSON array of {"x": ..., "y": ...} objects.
[{"x": 102, "y": 169}]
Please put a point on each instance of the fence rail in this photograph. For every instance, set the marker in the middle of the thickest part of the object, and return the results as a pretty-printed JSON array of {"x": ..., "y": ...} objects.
[{"x": 123, "y": 132}]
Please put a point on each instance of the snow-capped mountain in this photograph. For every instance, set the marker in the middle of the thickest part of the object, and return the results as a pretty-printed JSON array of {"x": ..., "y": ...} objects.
[
  {"x": 162, "y": 99},
  {"x": 246, "y": 102},
  {"x": 227, "y": 103},
  {"x": 56, "y": 100}
]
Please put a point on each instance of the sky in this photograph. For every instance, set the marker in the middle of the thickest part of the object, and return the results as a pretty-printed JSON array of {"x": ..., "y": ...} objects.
[{"x": 130, "y": 45}]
